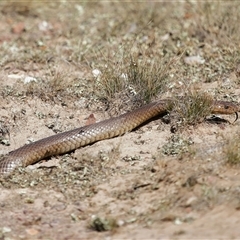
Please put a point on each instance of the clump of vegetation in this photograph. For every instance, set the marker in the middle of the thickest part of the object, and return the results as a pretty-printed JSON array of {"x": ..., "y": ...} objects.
[
  {"x": 141, "y": 78},
  {"x": 176, "y": 145},
  {"x": 148, "y": 77},
  {"x": 193, "y": 108},
  {"x": 103, "y": 224},
  {"x": 231, "y": 150}
]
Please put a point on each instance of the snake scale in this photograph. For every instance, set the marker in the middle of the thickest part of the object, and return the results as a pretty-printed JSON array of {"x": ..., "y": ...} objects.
[{"x": 73, "y": 139}]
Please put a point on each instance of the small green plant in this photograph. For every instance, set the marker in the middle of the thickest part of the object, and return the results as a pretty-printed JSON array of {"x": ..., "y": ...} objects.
[
  {"x": 176, "y": 145},
  {"x": 103, "y": 224}
]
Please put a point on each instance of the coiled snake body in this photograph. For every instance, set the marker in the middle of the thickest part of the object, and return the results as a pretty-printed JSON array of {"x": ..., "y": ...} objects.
[{"x": 70, "y": 140}]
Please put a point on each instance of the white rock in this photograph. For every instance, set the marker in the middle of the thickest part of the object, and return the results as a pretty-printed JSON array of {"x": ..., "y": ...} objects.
[
  {"x": 96, "y": 72},
  {"x": 124, "y": 76},
  {"x": 79, "y": 9},
  {"x": 29, "y": 79},
  {"x": 193, "y": 60},
  {"x": 44, "y": 26},
  {"x": 15, "y": 76}
]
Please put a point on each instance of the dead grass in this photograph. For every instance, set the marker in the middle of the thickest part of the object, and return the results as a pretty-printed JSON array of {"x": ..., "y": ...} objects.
[
  {"x": 231, "y": 149},
  {"x": 140, "y": 79},
  {"x": 193, "y": 108},
  {"x": 134, "y": 56},
  {"x": 139, "y": 50}
]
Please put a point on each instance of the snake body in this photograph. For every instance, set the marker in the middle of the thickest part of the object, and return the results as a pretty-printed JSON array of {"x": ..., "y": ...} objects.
[{"x": 79, "y": 137}]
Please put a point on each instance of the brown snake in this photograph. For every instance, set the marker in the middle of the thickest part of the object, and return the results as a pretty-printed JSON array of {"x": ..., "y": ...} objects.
[{"x": 71, "y": 140}]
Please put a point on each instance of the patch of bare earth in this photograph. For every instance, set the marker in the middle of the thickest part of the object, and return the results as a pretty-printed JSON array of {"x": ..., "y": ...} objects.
[{"x": 67, "y": 65}]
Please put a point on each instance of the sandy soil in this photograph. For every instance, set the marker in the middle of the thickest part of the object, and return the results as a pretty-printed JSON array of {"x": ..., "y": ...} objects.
[{"x": 147, "y": 184}]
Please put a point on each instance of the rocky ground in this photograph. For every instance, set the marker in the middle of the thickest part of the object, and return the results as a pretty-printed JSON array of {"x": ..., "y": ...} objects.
[{"x": 67, "y": 65}]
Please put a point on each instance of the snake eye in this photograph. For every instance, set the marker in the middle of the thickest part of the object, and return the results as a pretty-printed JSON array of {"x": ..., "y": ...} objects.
[{"x": 226, "y": 106}]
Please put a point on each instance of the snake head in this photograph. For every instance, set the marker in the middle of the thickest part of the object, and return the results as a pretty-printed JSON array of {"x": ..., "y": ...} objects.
[{"x": 222, "y": 107}]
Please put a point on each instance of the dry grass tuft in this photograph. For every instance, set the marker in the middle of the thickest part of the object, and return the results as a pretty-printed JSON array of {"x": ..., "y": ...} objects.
[
  {"x": 148, "y": 77},
  {"x": 193, "y": 108},
  {"x": 142, "y": 79},
  {"x": 231, "y": 150}
]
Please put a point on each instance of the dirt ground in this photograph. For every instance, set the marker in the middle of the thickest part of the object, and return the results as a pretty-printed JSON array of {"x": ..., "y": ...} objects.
[{"x": 57, "y": 64}]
